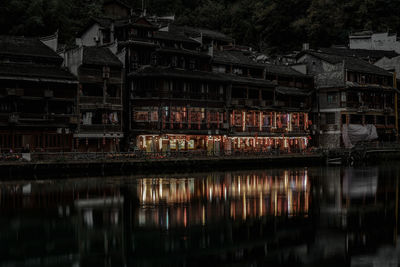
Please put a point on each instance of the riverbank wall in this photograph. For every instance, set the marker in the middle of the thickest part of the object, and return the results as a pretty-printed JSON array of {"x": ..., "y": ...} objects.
[{"x": 65, "y": 169}]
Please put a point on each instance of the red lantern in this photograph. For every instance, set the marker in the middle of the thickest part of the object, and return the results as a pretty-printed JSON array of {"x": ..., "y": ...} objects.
[{"x": 104, "y": 140}]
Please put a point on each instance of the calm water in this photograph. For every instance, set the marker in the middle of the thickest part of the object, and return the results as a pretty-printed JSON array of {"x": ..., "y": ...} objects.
[{"x": 284, "y": 217}]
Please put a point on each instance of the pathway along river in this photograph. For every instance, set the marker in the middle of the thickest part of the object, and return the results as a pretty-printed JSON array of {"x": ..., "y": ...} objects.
[{"x": 332, "y": 216}]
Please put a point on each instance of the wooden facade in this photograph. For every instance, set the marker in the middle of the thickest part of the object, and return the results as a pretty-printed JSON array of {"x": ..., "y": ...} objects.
[
  {"x": 100, "y": 101},
  {"x": 351, "y": 92},
  {"x": 38, "y": 109}
]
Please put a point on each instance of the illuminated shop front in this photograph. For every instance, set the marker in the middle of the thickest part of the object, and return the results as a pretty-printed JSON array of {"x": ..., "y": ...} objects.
[
  {"x": 288, "y": 144},
  {"x": 174, "y": 142},
  {"x": 218, "y": 143}
]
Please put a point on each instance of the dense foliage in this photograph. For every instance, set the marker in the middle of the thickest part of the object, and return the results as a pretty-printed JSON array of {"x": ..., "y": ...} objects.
[{"x": 268, "y": 25}]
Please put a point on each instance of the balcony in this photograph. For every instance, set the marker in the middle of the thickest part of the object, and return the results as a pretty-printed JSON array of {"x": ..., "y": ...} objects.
[
  {"x": 100, "y": 128},
  {"x": 98, "y": 100},
  {"x": 279, "y": 104}
]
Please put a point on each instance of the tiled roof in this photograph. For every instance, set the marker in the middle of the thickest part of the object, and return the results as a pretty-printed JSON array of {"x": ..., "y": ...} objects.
[
  {"x": 360, "y": 53},
  {"x": 284, "y": 70},
  {"x": 121, "y": 3},
  {"x": 197, "y": 32},
  {"x": 292, "y": 91},
  {"x": 183, "y": 52},
  {"x": 235, "y": 57},
  {"x": 35, "y": 71},
  {"x": 22, "y": 47},
  {"x": 100, "y": 56},
  {"x": 161, "y": 35},
  {"x": 350, "y": 63},
  {"x": 235, "y": 79}
]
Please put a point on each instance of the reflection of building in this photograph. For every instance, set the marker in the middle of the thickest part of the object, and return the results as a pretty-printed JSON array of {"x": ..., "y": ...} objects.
[
  {"x": 100, "y": 231},
  {"x": 274, "y": 217},
  {"x": 246, "y": 196},
  {"x": 357, "y": 210},
  {"x": 41, "y": 225}
]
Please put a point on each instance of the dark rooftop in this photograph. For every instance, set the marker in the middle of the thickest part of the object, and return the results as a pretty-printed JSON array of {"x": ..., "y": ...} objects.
[
  {"x": 27, "y": 48},
  {"x": 360, "y": 53},
  {"x": 284, "y": 70},
  {"x": 35, "y": 71},
  {"x": 197, "y": 32},
  {"x": 183, "y": 52},
  {"x": 162, "y": 35},
  {"x": 249, "y": 81},
  {"x": 292, "y": 91},
  {"x": 235, "y": 57},
  {"x": 351, "y": 63},
  {"x": 121, "y": 3},
  {"x": 101, "y": 56}
]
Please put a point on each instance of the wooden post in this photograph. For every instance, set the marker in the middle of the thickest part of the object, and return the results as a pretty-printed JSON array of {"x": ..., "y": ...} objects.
[{"x": 396, "y": 105}]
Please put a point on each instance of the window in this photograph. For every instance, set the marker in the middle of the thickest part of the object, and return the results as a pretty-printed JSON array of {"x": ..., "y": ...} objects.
[
  {"x": 344, "y": 120},
  {"x": 369, "y": 119},
  {"x": 330, "y": 118},
  {"x": 380, "y": 120},
  {"x": 253, "y": 93},
  {"x": 355, "y": 119},
  {"x": 331, "y": 98}
]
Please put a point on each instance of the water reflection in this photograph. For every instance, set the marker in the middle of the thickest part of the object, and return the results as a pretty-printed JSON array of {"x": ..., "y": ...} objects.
[
  {"x": 282, "y": 217},
  {"x": 165, "y": 202}
]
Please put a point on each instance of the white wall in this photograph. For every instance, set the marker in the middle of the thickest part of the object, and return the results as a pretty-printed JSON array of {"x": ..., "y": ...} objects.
[
  {"x": 375, "y": 41},
  {"x": 73, "y": 59},
  {"x": 88, "y": 37}
]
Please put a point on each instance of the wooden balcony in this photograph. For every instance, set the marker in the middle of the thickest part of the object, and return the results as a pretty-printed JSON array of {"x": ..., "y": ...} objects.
[
  {"x": 98, "y": 100},
  {"x": 100, "y": 128}
]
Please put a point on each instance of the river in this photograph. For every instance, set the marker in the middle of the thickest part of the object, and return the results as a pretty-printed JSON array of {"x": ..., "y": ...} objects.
[{"x": 319, "y": 216}]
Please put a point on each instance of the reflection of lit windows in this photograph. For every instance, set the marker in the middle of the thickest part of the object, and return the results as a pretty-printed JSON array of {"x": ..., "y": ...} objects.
[{"x": 88, "y": 218}]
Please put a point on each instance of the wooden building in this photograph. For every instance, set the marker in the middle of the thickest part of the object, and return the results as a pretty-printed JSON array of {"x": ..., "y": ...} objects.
[
  {"x": 268, "y": 104},
  {"x": 100, "y": 75},
  {"x": 355, "y": 100},
  {"x": 37, "y": 97}
]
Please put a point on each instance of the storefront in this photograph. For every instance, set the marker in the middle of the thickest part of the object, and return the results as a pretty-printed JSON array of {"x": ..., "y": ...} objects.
[
  {"x": 265, "y": 144},
  {"x": 216, "y": 144},
  {"x": 170, "y": 142}
]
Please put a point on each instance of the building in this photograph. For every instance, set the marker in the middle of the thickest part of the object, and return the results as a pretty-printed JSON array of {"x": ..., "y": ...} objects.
[
  {"x": 191, "y": 89},
  {"x": 388, "y": 60},
  {"x": 268, "y": 104},
  {"x": 37, "y": 97},
  {"x": 100, "y": 75},
  {"x": 355, "y": 100},
  {"x": 374, "y": 41}
]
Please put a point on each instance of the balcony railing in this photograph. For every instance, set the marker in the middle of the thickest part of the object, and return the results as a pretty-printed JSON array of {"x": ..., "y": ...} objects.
[
  {"x": 99, "y": 100},
  {"x": 100, "y": 127}
]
